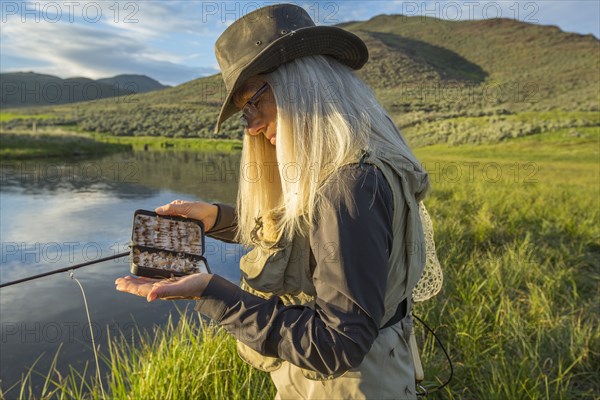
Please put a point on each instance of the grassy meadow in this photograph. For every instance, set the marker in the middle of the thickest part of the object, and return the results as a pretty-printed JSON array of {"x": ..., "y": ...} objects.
[
  {"x": 56, "y": 141},
  {"x": 519, "y": 241},
  {"x": 518, "y": 237}
]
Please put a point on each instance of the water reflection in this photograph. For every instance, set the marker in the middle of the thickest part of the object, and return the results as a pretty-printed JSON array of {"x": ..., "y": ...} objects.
[
  {"x": 207, "y": 175},
  {"x": 212, "y": 176},
  {"x": 56, "y": 214}
]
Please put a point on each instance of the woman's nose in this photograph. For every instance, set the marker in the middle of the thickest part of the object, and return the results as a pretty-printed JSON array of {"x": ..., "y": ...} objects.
[{"x": 255, "y": 126}]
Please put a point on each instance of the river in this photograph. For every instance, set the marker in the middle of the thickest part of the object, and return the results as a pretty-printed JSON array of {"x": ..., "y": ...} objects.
[{"x": 57, "y": 213}]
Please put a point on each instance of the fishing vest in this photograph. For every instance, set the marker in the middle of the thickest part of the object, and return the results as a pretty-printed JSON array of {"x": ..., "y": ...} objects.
[{"x": 285, "y": 270}]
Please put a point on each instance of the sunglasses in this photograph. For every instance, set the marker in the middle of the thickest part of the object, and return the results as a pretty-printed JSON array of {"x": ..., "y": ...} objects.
[{"x": 250, "y": 110}]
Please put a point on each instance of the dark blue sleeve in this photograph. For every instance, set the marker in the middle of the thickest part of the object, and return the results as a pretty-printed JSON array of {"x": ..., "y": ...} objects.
[{"x": 351, "y": 243}]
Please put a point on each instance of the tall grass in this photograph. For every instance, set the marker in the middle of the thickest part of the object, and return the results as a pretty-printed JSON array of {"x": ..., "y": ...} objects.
[
  {"x": 188, "y": 360},
  {"x": 519, "y": 311},
  {"x": 521, "y": 255}
]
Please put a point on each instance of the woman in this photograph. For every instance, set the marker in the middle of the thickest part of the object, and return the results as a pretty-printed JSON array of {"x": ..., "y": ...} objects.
[{"x": 328, "y": 199}]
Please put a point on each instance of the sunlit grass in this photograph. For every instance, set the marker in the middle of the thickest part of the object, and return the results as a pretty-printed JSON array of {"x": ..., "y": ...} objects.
[
  {"x": 187, "y": 360},
  {"x": 521, "y": 256},
  {"x": 176, "y": 144},
  {"x": 478, "y": 129},
  {"x": 8, "y": 116},
  {"x": 53, "y": 143},
  {"x": 69, "y": 141}
]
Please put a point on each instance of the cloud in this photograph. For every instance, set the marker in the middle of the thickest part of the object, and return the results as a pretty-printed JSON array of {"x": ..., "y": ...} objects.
[
  {"x": 68, "y": 50},
  {"x": 159, "y": 20}
]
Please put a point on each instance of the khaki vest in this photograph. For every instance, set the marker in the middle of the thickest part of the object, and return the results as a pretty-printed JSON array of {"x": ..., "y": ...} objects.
[{"x": 285, "y": 271}]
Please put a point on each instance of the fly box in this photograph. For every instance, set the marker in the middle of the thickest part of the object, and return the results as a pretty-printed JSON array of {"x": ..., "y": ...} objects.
[{"x": 165, "y": 246}]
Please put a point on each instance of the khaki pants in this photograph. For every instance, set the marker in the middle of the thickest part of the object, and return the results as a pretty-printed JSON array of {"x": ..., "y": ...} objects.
[{"x": 387, "y": 372}]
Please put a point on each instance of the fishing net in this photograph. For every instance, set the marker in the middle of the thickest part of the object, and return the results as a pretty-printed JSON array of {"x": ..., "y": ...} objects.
[{"x": 431, "y": 281}]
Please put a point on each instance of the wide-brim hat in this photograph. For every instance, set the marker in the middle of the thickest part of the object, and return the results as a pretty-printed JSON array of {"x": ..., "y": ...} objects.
[{"x": 268, "y": 37}]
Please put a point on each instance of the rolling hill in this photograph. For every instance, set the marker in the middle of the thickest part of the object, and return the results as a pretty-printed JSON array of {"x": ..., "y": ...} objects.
[
  {"x": 134, "y": 83},
  {"x": 441, "y": 81},
  {"x": 27, "y": 89}
]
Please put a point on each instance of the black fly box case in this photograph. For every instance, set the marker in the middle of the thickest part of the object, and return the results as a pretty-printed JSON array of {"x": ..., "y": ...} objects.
[{"x": 165, "y": 246}]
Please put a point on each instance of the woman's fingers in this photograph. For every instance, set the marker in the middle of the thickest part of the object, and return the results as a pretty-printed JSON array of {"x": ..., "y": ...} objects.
[
  {"x": 187, "y": 287},
  {"x": 186, "y": 209},
  {"x": 205, "y": 212},
  {"x": 137, "y": 279},
  {"x": 137, "y": 286},
  {"x": 167, "y": 290},
  {"x": 163, "y": 291},
  {"x": 141, "y": 279},
  {"x": 177, "y": 207},
  {"x": 152, "y": 289}
]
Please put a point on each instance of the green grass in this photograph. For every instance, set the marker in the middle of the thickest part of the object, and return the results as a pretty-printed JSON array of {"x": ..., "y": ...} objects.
[
  {"x": 69, "y": 142},
  {"x": 4, "y": 116},
  {"x": 176, "y": 144},
  {"x": 26, "y": 145},
  {"x": 458, "y": 130},
  {"x": 519, "y": 311},
  {"x": 569, "y": 145},
  {"x": 189, "y": 360}
]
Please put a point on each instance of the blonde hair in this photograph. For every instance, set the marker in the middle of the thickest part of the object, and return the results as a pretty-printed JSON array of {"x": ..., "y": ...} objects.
[{"x": 326, "y": 116}]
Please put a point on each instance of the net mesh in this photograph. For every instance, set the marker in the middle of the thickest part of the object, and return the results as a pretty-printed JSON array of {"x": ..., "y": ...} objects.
[{"x": 431, "y": 281}]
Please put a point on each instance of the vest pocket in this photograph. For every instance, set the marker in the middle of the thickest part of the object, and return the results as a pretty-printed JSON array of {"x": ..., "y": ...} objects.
[
  {"x": 256, "y": 359},
  {"x": 280, "y": 270},
  {"x": 263, "y": 269}
]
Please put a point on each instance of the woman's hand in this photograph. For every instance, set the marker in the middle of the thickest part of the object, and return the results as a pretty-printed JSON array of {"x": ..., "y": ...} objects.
[
  {"x": 187, "y": 287},
  {"x": 205, "y": 212}
]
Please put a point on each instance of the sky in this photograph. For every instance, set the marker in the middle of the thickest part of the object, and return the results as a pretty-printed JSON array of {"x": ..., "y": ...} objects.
[{"x": 173, "y": 41}]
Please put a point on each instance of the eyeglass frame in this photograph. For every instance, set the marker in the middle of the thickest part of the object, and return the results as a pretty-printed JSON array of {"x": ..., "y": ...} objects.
[{"x": 251, "y": 104}]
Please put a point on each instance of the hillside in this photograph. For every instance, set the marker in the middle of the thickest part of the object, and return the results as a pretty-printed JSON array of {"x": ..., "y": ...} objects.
[
  {"x": 441, "y": 81},
  {"x": 29, "y": 89},
  {"x": 134, "y": 83},
  {"x": 538, "y": 67}
]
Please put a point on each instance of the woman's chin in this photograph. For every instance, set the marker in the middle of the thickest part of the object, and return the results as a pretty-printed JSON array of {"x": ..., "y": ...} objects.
[{"x": 273, "y": 140}]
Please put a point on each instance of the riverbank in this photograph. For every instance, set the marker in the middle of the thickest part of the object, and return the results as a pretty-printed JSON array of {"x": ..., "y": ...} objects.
[
  {"x": 29, "y": 145},
  {"x": 159, "y": 143},
  {"x": 60, "y": 142}
]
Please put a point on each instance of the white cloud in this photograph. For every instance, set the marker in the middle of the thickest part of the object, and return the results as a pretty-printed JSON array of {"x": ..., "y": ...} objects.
[
  {"x": 155, "y": 19},
  {"x": 82, "y": 50}
]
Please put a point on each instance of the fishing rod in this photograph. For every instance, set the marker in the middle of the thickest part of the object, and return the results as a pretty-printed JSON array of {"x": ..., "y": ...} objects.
[{"x": 76, "y": 266}]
